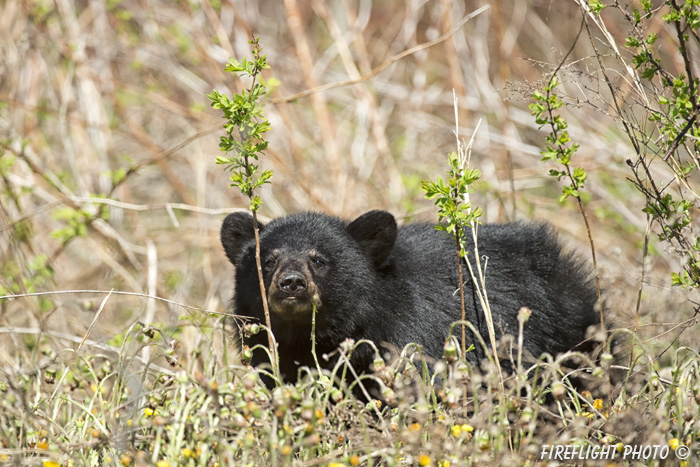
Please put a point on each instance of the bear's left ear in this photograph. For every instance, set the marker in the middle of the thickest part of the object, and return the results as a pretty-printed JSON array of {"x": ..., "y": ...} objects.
[
  {"x": 375, "y": 231},
  {"x": 236, "y": 233}
]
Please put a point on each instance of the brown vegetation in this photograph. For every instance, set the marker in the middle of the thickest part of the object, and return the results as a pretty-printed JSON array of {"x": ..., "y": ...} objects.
[{"x": 107, "y": 148}]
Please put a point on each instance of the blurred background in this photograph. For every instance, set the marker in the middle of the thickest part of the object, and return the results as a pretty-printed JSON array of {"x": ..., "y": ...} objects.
[{"x": 108, "y": 143}]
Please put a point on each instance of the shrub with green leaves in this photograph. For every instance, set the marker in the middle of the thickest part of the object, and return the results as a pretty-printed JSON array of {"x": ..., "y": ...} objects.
[{"x": 667, "y": 96}]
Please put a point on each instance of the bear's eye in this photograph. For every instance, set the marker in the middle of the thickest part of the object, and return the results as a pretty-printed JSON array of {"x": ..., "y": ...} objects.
[
  {"x": 318, "y": 262},
  {"x": 270, "y": 263}
]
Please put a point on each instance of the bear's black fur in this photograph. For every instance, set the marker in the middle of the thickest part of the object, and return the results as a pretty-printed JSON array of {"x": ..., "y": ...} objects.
[{"x": 371, "y": 280}]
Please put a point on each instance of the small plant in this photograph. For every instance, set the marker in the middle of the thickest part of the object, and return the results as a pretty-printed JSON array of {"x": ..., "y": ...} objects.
[
  {"x": 455, "y": 209},
  {"x": 559, "y": 145},
  {"x": 243, "y": 114},
  {"x": 559, "y": 148}
]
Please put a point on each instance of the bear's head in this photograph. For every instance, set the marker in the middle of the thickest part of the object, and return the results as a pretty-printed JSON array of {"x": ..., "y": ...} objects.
[{"x": 307, "y": 259}]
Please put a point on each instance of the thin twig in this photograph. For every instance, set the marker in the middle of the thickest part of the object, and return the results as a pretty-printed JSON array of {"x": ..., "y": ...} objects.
[
  {"x": 112, "y": 292},
  {"x": 94, "y": 320}
]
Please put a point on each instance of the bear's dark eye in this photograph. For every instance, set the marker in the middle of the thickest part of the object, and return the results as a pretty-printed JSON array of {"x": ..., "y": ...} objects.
[
  {"x": 318, "y": 262},
  {"x": 270, "y": 263}
]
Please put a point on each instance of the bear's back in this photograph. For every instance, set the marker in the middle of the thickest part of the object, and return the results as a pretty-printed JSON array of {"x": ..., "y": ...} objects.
[{"x": 524, "y": 267}]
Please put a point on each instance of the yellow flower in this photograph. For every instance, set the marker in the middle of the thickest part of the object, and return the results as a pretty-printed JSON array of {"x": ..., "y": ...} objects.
[
  {"x": 598, "y": 404},
  {"x": 467, "y": 428},
  {"x": 162, "y": 464},
  {"x": 51, "y": 464},
  {"x": 674, "y": 443},
  {"x": 424, "y": 460},
  {"x": 355, "y": 460},
  {"x": 456, "y": 431},
  {"x": 414, "y": 427},
  {"x": 336, "y": 464}
]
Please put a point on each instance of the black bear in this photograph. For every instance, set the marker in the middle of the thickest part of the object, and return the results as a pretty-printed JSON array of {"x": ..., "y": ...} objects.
[{"x": 370, "y": 279}]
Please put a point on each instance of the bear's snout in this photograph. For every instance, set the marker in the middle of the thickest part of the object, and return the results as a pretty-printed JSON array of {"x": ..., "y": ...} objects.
[
  {"x": 293, "y": 292},
  {"x": 292, "y": 283}
]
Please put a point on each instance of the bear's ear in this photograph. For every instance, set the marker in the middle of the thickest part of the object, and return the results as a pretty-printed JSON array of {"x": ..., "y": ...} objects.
[
  {"x": 375, "y": 231},
  {"x": 236, "y": 233}
]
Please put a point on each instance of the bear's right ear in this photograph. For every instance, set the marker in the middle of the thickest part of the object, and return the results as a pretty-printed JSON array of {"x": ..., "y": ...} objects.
[
  {"x": 236, "y": 233},
  {"x": 375, "y": 231}
]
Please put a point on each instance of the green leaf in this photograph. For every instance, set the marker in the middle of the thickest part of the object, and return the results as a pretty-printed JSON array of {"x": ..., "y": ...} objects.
[
  {"x": 596, "y": 6},
  {"x": 649, "y": 72},
  {"x": 549, "y": 154},
  {"x": 632, "y": 42},
  {"x": 234, "y": 66}
]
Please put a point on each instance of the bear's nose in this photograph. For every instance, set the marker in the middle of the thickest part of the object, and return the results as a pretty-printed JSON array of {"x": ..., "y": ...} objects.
[{"x": 292, "y": 282}]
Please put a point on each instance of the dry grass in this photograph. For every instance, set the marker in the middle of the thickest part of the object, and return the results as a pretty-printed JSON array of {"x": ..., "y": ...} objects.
[{"x": 107, "y": 100}]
